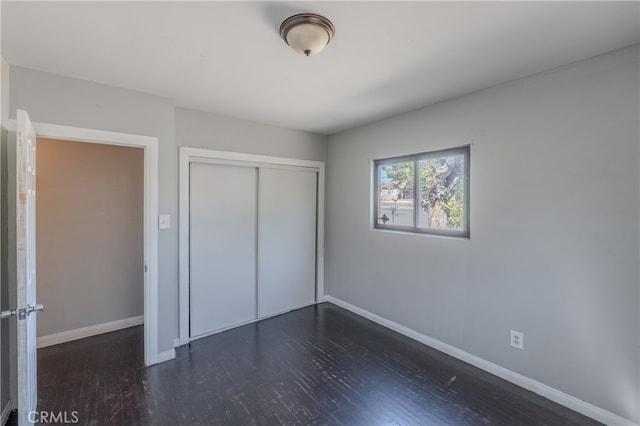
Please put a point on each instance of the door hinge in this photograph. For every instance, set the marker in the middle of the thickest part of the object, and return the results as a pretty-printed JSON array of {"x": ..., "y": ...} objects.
[{"x": 22, "y": 314}]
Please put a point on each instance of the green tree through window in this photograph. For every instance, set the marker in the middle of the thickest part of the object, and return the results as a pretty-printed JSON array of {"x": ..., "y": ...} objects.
[{"x": 442, "y": 191}]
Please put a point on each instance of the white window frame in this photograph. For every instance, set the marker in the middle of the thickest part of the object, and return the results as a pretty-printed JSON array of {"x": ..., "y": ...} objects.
[{"x": 415, "y": 158}]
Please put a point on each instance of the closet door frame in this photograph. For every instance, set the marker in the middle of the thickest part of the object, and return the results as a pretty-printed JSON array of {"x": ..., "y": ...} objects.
[{"x": 207, "y": 156}]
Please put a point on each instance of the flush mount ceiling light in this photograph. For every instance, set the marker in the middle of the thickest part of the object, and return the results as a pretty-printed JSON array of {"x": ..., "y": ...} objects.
[{"x": 307, "y": 33}]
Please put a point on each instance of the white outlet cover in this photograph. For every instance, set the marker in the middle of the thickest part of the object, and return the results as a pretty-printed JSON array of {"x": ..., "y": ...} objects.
[
  {"x": 164, "y": 221},
  {"x": 517, "y": 339}
]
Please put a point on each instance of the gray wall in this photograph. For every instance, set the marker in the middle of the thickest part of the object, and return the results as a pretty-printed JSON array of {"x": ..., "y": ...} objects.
[
  {"x": 203, "y": 130},
  {"x": 554, "y": 244},
  {"x": 54, "y": 99},
  {"x": 90, "y": 224},
  {"x": 50, "y": 98}
]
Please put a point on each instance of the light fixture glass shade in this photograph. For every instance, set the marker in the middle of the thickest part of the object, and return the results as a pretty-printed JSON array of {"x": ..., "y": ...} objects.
[
  {"x": 307, "y": 33},
  {"x": 307, "y": 39}
]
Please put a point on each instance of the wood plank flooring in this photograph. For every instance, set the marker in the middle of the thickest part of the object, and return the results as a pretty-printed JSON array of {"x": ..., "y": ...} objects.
[{"x": 317, "y": 365}]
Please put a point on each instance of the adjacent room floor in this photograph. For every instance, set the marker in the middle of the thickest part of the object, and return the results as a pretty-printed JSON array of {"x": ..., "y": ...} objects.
[{"x": 317, "y": 365}]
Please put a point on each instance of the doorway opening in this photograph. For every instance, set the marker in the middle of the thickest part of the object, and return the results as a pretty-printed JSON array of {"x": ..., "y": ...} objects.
[
  {"x": 21, "y": 196},
  {"x": 89, "y": 239},
  {"x": 147, "y": 148}
]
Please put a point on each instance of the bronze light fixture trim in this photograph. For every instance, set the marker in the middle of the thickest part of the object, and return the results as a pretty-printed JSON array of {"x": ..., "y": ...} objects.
[{"x": 307, "y": 33}]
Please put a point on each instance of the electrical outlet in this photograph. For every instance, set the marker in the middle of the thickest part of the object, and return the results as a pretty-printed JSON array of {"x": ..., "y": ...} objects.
[{"x": 517, "y": 339}]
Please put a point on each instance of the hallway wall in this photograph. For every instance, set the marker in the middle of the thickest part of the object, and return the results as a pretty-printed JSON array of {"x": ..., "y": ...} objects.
[{"x": 90, "y": 229}]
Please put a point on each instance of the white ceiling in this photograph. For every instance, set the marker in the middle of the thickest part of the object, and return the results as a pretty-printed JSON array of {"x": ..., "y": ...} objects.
[{"x": 386, "y": 58}]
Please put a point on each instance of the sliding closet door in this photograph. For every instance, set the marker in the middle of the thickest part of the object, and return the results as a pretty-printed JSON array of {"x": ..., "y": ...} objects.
[
  {"x": 287, "y": 240},
  {"x": 222, "y": 246}
]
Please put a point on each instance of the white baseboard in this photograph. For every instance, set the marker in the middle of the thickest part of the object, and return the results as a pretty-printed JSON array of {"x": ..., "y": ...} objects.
[
  {"x": 94, "y": 330},
  {"x": 176, "y": 342},
  {"x": 548, "y": 392},
  {"x": 5, "y": 413},
  {"x": 166, "y": 355}
]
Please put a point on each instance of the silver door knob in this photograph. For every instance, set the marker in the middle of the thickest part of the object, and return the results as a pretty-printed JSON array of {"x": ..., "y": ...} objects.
[
  {"x": 7, "y": 314},
  {"x": 35, "y": 308}
]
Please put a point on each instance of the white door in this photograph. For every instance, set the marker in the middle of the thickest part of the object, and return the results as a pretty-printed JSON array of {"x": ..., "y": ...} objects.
[
  {"x": 222, "y": 282},
  {"x": 286, "y": 240},
  {"x": 26, "y": 267}
]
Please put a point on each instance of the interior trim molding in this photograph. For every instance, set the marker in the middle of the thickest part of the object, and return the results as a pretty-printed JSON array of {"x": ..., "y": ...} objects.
[
  {"x": 92, "y": 330},
  {"x": 189, "y": 155},
  {"x": 4, "y": 416},
  {"x": 166, "y": 355},
  {"x": 150, "y": 146},
  {"x": 546, "y": 391}
]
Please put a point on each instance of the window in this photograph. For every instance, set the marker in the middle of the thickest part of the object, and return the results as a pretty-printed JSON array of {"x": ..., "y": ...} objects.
[{"x": 423, "y": 193}]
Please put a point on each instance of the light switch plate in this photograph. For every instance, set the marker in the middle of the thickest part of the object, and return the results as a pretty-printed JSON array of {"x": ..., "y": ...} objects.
[{"x": 164, "y": 221}]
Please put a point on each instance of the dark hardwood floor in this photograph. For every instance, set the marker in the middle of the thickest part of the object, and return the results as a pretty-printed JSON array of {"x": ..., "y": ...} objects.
[{"x": 317, "y": 365}]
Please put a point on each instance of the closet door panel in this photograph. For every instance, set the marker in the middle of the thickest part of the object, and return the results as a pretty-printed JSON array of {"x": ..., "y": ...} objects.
[
  {"x": 286, "y": 240},
  {"x": 222, "y": 246}
]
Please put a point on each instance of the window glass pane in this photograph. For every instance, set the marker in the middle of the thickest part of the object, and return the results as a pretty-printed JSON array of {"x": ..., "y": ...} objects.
[
  {"x": 396, "y": 194},
  {"x": 442, "y": 193}
]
